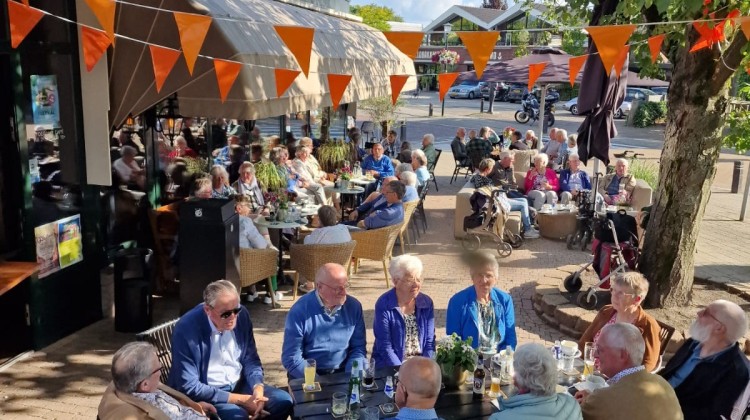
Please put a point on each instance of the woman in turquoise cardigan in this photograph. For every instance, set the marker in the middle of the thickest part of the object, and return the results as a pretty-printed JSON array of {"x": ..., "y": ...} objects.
[{"x": 483, "y": 311}]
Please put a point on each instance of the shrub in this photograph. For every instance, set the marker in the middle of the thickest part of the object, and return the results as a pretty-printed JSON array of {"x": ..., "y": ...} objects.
[
  {"x": 649, "y": 113},
  {"x": 645, "y": 170}
]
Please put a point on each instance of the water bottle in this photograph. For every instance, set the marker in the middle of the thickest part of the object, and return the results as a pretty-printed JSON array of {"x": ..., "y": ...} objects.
[
  {"x": 389, "y": 388},
  {"x": 557, "y": 352}
]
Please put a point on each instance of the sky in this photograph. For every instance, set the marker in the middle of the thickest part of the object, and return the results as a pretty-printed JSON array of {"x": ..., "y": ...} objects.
[{"x": 419, "y": 11}]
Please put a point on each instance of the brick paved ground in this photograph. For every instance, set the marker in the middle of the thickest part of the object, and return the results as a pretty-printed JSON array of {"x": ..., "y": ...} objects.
[{"x": 66, "y": 379}]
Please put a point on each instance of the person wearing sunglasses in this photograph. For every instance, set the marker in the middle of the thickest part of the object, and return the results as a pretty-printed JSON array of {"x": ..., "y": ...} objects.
[
  {"x": 327, "y": 325},
  {"x": 136, "y": 391},
  {"x": 214, "y": 359}
]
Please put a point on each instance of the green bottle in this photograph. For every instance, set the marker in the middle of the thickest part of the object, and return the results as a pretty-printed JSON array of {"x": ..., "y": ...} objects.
[{"x": 354, "y": 391}]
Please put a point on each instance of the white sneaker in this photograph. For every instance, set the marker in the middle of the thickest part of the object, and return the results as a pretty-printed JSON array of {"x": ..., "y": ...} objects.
[
  {"x": 250, "y": 297},
  {"x": 279, "y": 296},
  {"x": 531, "y": 234},
  {"x": 267, "y": 300}
]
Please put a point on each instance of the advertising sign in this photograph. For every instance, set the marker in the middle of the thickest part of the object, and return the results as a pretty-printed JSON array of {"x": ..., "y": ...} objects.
[
  {"x": 58, "y": 244},
  {"x": 45, "y": 103}
]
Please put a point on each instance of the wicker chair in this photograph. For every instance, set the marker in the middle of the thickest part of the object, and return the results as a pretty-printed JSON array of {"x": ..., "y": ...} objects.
[
  {"x": 257, "y": 265},
  {"x": 377, "y": 245},
  {"x": 409, "y": 208},
  {"x": 161, "y": 337},
  {"x": 307, "y": 259}
]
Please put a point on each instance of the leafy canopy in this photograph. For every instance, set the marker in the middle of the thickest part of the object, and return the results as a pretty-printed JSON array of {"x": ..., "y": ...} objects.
[{"x": 376, "y": 16}]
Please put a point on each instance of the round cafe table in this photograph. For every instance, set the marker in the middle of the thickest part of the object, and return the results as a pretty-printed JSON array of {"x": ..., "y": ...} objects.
[{"x": 351, "y": 190}]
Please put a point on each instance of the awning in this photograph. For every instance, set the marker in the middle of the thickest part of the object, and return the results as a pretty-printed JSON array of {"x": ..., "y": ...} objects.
[{"x": 242, "y": 30}]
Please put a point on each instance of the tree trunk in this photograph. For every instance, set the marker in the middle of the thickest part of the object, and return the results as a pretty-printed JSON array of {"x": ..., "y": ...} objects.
[{"x": 697, "y": 101}]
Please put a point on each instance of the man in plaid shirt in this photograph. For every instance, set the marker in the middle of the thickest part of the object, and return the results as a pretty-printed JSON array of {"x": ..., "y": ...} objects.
[{"x": 477, "y": 149}]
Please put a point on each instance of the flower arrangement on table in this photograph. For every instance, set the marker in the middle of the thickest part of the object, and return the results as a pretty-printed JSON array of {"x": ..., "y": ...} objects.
[
  {"x": 446, "y": 56},
  {"x": 454, "y": 357},
  {"x": 345, "y": 173},
  {"x": 508, "y": 131},
  {"x": 277, "y": 200}
]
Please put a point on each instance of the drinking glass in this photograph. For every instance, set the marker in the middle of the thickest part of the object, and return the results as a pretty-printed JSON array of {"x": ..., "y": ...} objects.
[
  {"x": 339, "y": 403},
  {"x": 371, "y": 413},
  {"x": 310, "y": 366},
  {"x": 369, "y": 378},
  {"x": 496, "y": 374},
  {"x": 589, "y": 351}
]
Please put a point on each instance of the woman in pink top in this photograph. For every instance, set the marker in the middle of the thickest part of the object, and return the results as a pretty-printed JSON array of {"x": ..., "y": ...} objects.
[{"x": 541, "y": 182}]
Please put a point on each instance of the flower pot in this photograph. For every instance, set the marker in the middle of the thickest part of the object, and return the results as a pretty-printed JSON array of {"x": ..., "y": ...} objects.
[
  {"x": 344, "y": 183},
  {"x": 281, "y": 215},
  {"x": 453, "y": 376}
]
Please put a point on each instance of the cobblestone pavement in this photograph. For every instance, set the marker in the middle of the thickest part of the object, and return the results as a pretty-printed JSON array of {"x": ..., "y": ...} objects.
[{"x": 66, "y": 379}]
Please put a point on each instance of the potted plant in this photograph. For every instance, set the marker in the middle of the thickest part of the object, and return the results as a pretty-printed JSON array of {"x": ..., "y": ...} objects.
[
  {"x": 269, "y": 177},
  {"x": 344, "y": 176},
  {"x": 332, "y": 154},
  {"x": 455, "y": 357}
]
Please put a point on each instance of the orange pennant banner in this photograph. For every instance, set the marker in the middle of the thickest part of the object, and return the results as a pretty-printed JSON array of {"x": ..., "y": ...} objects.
[
  {"x": 407, "y": 42},
  {"x": 163, "y": 60},
  {"x": 25, "y": 2},
  {"x": 95, "y": 44},
  {"x": 709, "y": 35},
  {"x": 104, "y": 10},
  {"x": 654, "y": 45},
  {"x": 609, "y": 41},
  {"x": 299, "y": 40},
  {"x": 284, "y": 79},
  {"x": 621, "y": 59},
  {"x": 397, "y": 84},
  {"x": 22, "y": 20},
  {"x": 446, "y": 81},
  {"x": 745, "y": 25},
  {"x": 535, "y": 70},
  {"x": 193, "y": 29},
  {"x": 337, "y": 84},
  {"x": 479, "y": 46},
  {"x": 226, "y": 74},
  {"x": 575, "y": 64}
]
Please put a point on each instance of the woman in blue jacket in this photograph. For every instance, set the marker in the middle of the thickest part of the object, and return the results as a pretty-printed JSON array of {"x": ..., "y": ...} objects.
[
  {"x": 404, "y": 323},
  {"x": 483, "y": 311},
  {"x": 573, "y": 180}
]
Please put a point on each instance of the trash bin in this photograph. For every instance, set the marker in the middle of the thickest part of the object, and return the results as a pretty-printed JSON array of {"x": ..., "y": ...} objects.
[{"x": 133, "y": 305}]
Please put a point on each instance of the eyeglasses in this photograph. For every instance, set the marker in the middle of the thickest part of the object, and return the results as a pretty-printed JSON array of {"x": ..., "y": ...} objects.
[
  {"x": 620, "y": 293},
  {"x": 704, "y": 312},
  {"x": 338, "y": 290},
  {"x": 227, "y": 314}
]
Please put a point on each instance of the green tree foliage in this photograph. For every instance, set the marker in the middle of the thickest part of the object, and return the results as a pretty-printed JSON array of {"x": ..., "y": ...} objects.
[
  {"x": 495, "y": 4},
  {"x": 381, "y": 108},
  {"x": 738, "y": 122},
  {"x": 574, "y": 42},
  {"x": 520, "y": 40},
  {"x": 376, "y": 16},
  {"x": 697, "y": 108}
]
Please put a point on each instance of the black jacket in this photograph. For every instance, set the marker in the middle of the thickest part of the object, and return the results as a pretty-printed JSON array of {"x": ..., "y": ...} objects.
[{"x": 713, "y": 387}]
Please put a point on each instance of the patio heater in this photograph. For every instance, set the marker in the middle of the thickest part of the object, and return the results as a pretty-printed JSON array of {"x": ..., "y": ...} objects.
[{"x": 446, "y": 30}]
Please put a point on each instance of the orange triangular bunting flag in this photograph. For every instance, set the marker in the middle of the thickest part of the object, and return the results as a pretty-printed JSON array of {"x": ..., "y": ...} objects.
[
  {"x": 95, "y": 44},
  {"x": 284, "y": 79},
  {"x": 654, "y": 46},
  {"x": 22, "y": 20},
  {"x": 193, "y": 29},
  {"x": 407, "y": 42},
  {"x": 226, "y": 74},
  {"x": 745, "y": 25},
  {"x": 397, "y": 83},
  {"x": 575, "y": 64},
  {"x": 104, "y": 10},
  {"x": 299, "y": 40},
  {"x": 446, "y": 81},
  {"x": 609, "y": 41},
  {"x": 621, "y": 59},
  {"x": 25, "y": 2},
  {"x": 535, "y": 70},
  {"x": 337, "y": 84},
  {"x": 163, "y": 60},
  {"x": 479, "y": 45}
]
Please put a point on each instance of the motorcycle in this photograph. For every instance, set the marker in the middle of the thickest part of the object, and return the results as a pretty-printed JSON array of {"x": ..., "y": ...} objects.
[{"x": 529, "y": 111}]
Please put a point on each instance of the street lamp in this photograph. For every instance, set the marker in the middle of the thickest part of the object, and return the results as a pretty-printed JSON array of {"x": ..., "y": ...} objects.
[{"x": 446, "y": 30}]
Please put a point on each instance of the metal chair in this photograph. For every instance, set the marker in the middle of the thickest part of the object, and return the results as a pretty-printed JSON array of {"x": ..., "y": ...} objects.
[
  {"x": 457, "y": 170},
  {"x": 161, "y": 338},
  {"x": 307, "y": 259},
  {"x": 377, "y": 245},
  {"x": 420, "y": 213},
  {"x": 431, "y": 168}
]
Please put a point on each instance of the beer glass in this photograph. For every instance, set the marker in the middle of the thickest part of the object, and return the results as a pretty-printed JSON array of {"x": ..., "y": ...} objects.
[
  {"x": 589, "y": 352},
  {"x": 369, "y": 378}
]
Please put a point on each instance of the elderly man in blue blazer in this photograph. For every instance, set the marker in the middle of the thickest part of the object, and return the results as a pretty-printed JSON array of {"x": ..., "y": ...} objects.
[{"x": 214, "y": 359}]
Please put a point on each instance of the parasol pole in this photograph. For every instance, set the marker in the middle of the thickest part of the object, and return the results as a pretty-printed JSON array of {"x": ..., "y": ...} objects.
[{"x": 542, "y": 116}]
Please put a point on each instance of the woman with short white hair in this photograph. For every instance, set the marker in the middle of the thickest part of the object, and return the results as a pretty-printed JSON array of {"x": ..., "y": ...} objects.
[
  {"x": 404, "y": 323},
  {"x": 220, "y": 183},
  {"x": 541, "y": 183},
  {"x": 536, "y": 379},
  {"x": 419, "y": 164}
]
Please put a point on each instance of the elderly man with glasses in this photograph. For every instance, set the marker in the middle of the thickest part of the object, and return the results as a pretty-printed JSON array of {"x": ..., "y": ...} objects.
[
  {"x": 214, "y": 359},
  {"x": 709, "y": 371},
  {"x": 327, "y": 326}
]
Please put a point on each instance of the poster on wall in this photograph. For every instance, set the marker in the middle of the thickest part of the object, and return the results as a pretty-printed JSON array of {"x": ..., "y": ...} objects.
[
  {"x": 44, "y": 100},
  {"x": 58, "y": 244}
]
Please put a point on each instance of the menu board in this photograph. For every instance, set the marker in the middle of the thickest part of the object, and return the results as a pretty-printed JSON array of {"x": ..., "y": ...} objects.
[{"x": 58, "y": 244}]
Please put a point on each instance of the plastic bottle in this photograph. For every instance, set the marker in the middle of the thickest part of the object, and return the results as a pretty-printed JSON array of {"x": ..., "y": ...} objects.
[
  {"x": 388, "y": 390},
  {"x": 354, "y": 391}
]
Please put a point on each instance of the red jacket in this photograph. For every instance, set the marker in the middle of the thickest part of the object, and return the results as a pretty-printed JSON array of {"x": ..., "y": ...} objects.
[{"x": 551, "y": 178}]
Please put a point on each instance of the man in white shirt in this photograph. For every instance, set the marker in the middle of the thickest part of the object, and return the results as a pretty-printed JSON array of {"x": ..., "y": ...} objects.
[{"x": 127, "y": 169}]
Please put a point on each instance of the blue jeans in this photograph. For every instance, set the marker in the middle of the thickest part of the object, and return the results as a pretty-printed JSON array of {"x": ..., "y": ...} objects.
[
  {"x": 520, "y": 204},
  {"x": 279, "y": 404}
]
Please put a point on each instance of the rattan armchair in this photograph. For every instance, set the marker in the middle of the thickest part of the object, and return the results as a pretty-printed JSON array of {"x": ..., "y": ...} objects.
[
  {"x": 307, "y": 259},
  {"x": 257, "y": 265},
  {"x": 409, "y": 208},
  {"x": 161, "y": 338},
  {"x": 377, "y": 245}
]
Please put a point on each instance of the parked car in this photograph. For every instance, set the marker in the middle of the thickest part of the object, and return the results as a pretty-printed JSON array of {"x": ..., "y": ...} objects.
[
  {"x": 501, "y": 91},
  {"x": 624, "y": 109},
  {"x": 571, "y": 105},
  {"x": 516, "y": 92},
  {"x": 467, "y": 90}
]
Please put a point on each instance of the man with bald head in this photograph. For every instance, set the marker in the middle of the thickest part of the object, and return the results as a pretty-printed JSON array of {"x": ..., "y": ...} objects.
[
  {"x": 326, "y": 325},
  {"x": 418, "y": 389},
  {"x": 709, "y": 371},
  {"x": 458, "y": 146}
]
